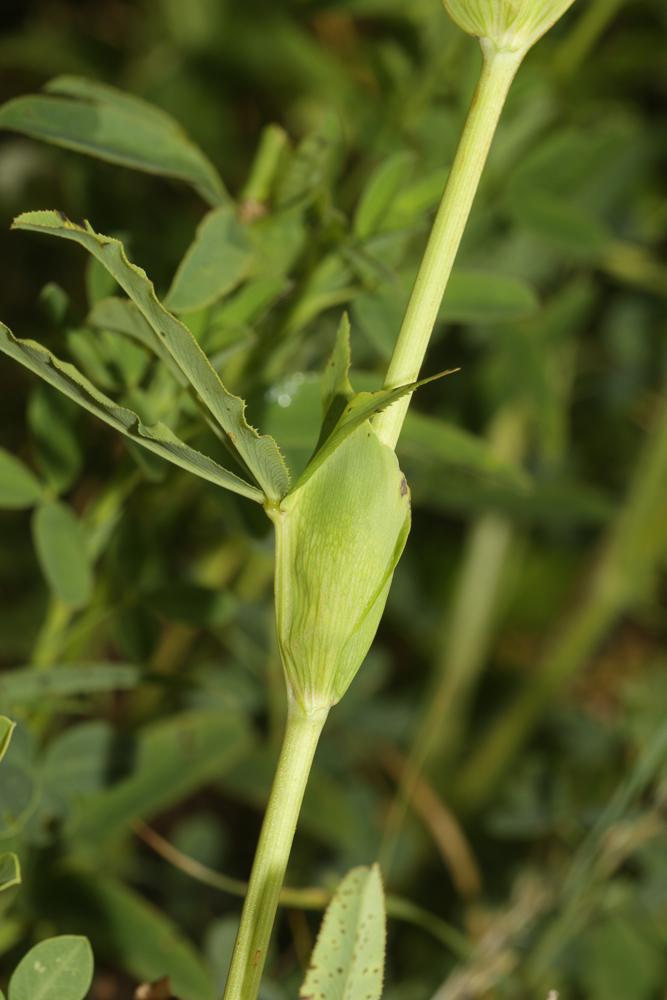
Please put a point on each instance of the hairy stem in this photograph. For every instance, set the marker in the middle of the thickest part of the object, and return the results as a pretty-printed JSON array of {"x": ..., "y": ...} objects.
[
  {"x": 275, "y": 842},
  {"x": 497, "y": 74}
]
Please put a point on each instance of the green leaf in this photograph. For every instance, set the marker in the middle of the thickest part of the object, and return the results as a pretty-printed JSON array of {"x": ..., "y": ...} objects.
[
  {"x": 76, "y": 763},
  {"x": 10, "y": 871},
  {"x": 157, "y": 438},
  {"x": 60, "y": 542},
  {"x": 58, "y": 969},
  {"x": 131, "y": 933},
  {"x": 215, "y": 263},
  {"x": 348, "y": 960},
  {"x": 173, "y": 759},
  {"x": 260, "y": 453},
  {"x": 336, "y": 378},
  {"x": 562, "y": 224},
  {"x": 487, "y": 297},
  {"x": 30, "y": 684},
  {"x": 104, "y": 122},
  {"x": 122, "y": 316},
  {"x": 360, "y": 408},
  {"x": 19, "y": 488},
  {"x": 58, "y": 451},
  {"x": 7, "y": 727},
  {"x": 380, "y": 193},
  {"x": 442, "y": 445}
]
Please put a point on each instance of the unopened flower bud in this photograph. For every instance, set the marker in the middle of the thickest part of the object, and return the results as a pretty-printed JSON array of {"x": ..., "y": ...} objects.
[
  {"x": 339, "y": 536},
  {"x": 507, "y": 25}
]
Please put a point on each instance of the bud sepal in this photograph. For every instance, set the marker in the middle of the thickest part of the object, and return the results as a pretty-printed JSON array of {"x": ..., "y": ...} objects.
[{"x": 507, "y": 25}]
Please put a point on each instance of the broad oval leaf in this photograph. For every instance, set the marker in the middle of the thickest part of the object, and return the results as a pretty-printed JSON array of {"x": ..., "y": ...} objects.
[
  {"x": 19, "y": 488},
  {"x": 10, "y": 871},
  {"x": 60, "y": 542},
  {"x": 157, "y": 438},
  {"x": 104, "y": 122},
  {"x": 215, "y": 263},
  {"x": 58, "y": 969},
  {"x": 259, "y": 452},
  {"x": 348, "y": 960}
]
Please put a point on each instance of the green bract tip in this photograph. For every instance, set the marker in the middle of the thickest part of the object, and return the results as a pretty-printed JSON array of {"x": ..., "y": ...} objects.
[{"x": 507, "y": 25}]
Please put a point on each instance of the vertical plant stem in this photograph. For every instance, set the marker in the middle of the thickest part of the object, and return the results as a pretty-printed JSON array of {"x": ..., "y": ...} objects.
[
  {"x": 302, "y": 734},
  {"x": 498, "y": 71}
]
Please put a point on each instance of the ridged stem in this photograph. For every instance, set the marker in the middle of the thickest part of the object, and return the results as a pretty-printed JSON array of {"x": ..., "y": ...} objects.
[
  {"x": 302, "y": 734},
  {"x": 498, "y": 72}
]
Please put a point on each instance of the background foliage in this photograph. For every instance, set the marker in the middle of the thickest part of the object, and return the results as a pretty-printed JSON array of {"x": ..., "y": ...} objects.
[{"x": 522, "y": 656}]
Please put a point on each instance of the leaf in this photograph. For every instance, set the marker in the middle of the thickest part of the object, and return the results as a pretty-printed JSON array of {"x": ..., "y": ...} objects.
[
  {"x": 172, "y": 759},
  {"x": 19, "y": 488},
  {"x": 7, "y": 727},
  {"x": 361, "y": 407},
  {"x": 10, "y": 871},
  {"x": 260, "y": 453},
  {"x": 31, "y": 684},
  {"x": 101, "y": 121},
  {"x": 157, "y": 438},
  {"x": 486, "y": 297},
  {"x": 336, "y": 378},
  {"x": 131, "y": 933},
  {"x": 122, "y": 316},
  {"x": 215, "y": 263},
  {"x": 58, "y": 449},
  {"x": 440, "y": 444},
  {"x": 61, "y": 549},
  {"x": 60, "y": 968},
  {"x": 348, "y": 960},
  {"x": 380, "y": 193},
  {"x": 562, "y": 224}
]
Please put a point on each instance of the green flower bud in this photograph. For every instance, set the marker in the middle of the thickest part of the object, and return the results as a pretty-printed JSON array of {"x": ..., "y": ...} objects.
[
  {"x": 507, "y": 25},
  {"x": 339, "y": 536}
]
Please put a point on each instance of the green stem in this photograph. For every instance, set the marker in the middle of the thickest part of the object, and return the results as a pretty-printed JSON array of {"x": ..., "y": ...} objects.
[
  {"x": 498, "y": 71},
  {"x": 275, "y": 842}
]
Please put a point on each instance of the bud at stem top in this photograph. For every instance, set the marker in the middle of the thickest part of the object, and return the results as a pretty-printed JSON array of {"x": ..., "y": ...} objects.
[{"x": 507, "y": 25}]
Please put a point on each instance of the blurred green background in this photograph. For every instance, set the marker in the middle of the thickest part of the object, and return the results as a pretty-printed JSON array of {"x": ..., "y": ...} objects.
[{"x": 504, "y": 749}]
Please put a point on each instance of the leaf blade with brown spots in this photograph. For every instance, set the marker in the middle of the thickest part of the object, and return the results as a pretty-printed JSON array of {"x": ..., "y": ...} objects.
[{"x": 348, "y": 959}]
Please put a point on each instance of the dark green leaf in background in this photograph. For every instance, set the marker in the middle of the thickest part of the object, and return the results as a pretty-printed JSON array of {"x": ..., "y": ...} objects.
[
  {"x": 107, "y": 123},
  {"x": 58, "y": 449},
  {"x": 61, "y": 546},
  {"x": 19, "y": 487},
  {"x": 214, "y": 264},
  {"x": 172, "y": 759}
]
